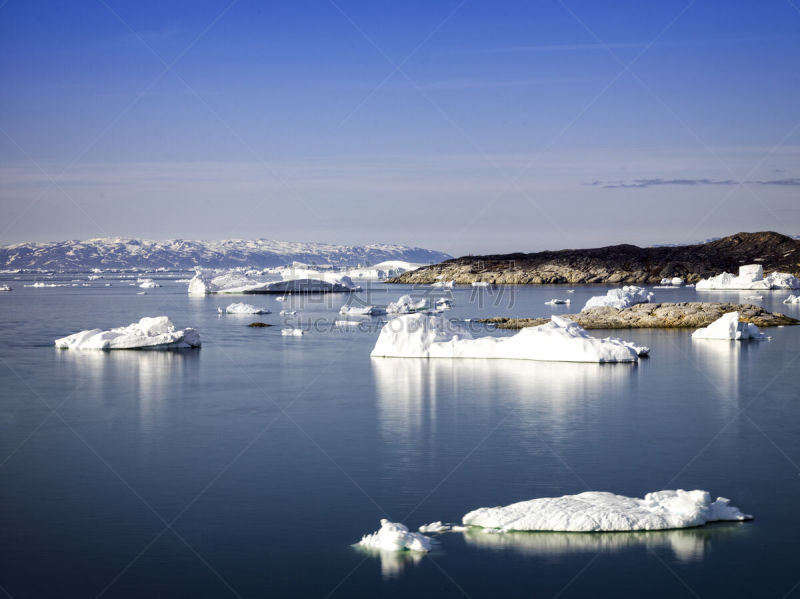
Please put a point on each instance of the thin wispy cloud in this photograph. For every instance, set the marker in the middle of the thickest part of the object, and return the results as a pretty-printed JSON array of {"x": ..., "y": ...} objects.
[{"x": 644, "y": 183}]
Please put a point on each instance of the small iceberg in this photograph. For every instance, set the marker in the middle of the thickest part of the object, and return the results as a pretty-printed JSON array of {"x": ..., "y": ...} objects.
[
  {"x": 570, "y": 291},
  {"x": 620, "y": 299},
  {"x": 5, "y": 288},
  {"x": 241, "y": 308},
  {"x": 292, "y": 332},
  {"x": 406, "y": 305},
  {"x": 394, "y": 536},
  {"x": 792, "y": 299},
  {"x": 598, "y": 511},
  {"x": 751, "y": 276},
  {"x": 728, "y": 326},
  {"x": 288, "y": 312},
  {"x": 560, "y": 340},
  {"x": 362, "y": 311},
  {"x": 147, "y": 283},
  {"x": 673, "y": 282},
  {"x": 443, "y": 284},
  {"x": 149, "y": 333},
  {"x": 481, "y": 284},
  {"x": 556, "y": 302},
  {"x": 444, "y": 303}
]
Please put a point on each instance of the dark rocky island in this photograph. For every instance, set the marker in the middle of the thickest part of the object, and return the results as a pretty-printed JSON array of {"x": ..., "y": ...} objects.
[
  {"x": 619, "y": 264},
  {"x": 682, "y": 315}
]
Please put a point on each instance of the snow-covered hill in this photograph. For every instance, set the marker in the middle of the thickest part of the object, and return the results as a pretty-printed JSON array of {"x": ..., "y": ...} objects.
[{"x": 121, "y": 253}]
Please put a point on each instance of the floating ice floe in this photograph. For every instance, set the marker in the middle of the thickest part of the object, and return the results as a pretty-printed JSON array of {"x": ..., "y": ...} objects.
[
  {"x": 443, "y": 284},
  {"x": 570, "y": 291},
  {"x": 141, "y": 293},
  {"x": 481, "y": 284},
  {"x": 5, "y": 288},
  {"x": 674, "y": 281},
  {"x": 241, "y": 308},
  {"x": 149, "y": 333},
  {"x": 394, "y": 536},
  {"x": 444, "y": 303},
  {"x": 43, "y": 284},
  {"x": 292, "y": 332},
  {"x": 209, "y": 281},
  {"x": 598, "y": 511},
  {"x": 147, "y": 283},
  {"x": 620, "y": 299},
  {"x": 406, "y": 305},
  {"x": 751, "y": 276},
  {"x": 362, "y": 310},
  {"x": 560, "y": 340},
  {"x": 439, "y": 526},
  {"x": 792, "y": 299},
  {"x": 288, "y": 312},
  {"x": 556, "y": 301},
  {"x": 728, "y": 326}
]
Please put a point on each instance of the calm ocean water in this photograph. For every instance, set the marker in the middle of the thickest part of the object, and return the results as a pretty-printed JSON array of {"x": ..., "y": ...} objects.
[{"x": 249, "y": 467}]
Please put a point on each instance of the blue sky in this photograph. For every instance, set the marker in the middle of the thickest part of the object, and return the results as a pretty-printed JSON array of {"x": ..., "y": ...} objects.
[{"x": 461, "y": 126}]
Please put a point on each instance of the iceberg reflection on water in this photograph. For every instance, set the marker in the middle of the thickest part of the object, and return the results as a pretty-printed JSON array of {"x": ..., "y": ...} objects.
[{"x": 687, "y": 544}]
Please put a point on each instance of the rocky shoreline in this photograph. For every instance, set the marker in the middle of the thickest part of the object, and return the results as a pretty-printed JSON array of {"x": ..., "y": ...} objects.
[
  {"x": 682, "y": 315},
  {"x": 618, "y": 264}
]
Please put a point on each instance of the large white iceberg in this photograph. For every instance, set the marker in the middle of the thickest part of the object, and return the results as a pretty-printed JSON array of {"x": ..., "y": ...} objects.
[
  {"x": 394, "y": 536},
  {"x": 620, "y": 299},
  {"x": 406, "y": 305},
  {"x": 149, "y": 333},
  {"x": 560, "y": 340},
  {"x": 728, "y": 326},
  {"x": 751, "y": 276},
  {"x": 209, "y": 281},
  {"x": 241, "y": 308},
  {"x": 598, "y": 511}
]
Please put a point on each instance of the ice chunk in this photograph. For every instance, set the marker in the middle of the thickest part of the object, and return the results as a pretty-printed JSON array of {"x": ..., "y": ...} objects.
[
  {"x": 561, "y": 340},
  {"x": 598, "y": 511},
  {"x": 406, "y": 305},
  {"x": 443, "y": 284},
  {"x": 555, "y": 302},
  {"x": 751, "y": 276},
  {"x": 147, "y": 283},
  {"x": 728, "y": 326},
  {"x": 148, "y": 333},
  {"x": 288, "y": 312},
  {"x": 481, "y": 284},
  {"x": 292, "y": 332},
  {"x": 5, "y": 288},
  {"x": 674, "y": 281},
  {"x": 394, "y": 536},
  {"x": 792, "y": 299},
  {"x": 362, "y": 310},
  {"x": 241, "y": 308},
  {"x": 620, "y": 298},
  {"x": 437, "y": 526}
]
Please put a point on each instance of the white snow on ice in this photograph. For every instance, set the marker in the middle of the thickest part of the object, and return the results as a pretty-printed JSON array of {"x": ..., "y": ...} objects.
[
  {"x": 394, "y": 536},
  {"x": 598, "y": 511},
  {"x": 149, "y": 333},
  {"x": 620, "y": 298},
  {"x": 561, "y": 340},
  {"x": 728, "y": 326},
  {"x": 241, "y": 308}
]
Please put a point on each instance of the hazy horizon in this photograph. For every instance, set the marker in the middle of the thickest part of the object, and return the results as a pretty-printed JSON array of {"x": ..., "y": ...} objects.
[{"x": 458, "y": 127}]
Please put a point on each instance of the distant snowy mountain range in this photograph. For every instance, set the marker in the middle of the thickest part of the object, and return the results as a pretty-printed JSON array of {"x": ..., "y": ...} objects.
[{"x": 181, "y": 254}]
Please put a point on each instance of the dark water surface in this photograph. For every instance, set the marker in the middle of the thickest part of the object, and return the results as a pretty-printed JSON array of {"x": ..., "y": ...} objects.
[{"x": 249, "y": 467}]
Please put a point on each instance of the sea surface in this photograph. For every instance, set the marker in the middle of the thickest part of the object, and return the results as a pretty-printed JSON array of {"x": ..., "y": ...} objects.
[{"x": 249, "y": 467}]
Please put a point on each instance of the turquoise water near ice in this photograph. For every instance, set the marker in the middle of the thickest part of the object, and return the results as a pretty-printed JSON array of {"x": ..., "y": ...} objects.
[{"x": 249, "y": 467}]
